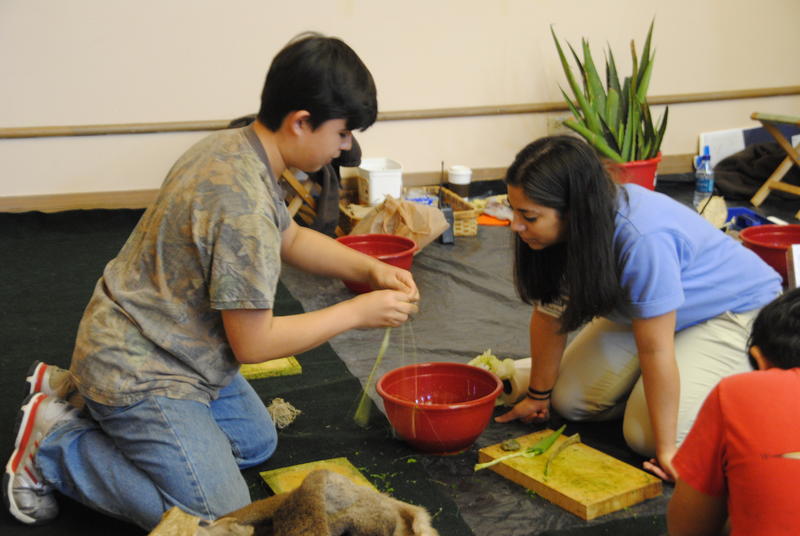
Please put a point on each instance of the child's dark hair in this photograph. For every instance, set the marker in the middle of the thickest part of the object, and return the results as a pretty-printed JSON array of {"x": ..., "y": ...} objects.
[
  {"x": 776, "y": 330},
  {"x": 564, "y": 173},
  {"x": 323, "y": 76}
]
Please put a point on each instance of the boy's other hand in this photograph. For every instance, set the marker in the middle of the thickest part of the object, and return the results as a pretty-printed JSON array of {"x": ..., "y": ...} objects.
[
  {"x": 386, "y": 276},
  {"x": 384, "y": 308}
]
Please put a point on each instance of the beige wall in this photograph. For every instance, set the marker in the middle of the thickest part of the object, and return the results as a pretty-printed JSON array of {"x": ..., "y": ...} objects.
[{"x": 85, "y": 62}]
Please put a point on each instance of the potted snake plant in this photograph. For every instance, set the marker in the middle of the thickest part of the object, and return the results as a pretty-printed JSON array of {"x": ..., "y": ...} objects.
[{"x": 615, "y": 117}]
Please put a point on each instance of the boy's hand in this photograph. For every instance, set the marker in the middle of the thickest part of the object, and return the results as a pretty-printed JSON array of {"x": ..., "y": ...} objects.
[
  {"x": 384, "y": 308},
  {"x": 386, "y": 276}
]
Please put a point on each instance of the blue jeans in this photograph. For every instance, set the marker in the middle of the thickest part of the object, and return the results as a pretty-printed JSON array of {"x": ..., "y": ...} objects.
[{"x": 136, "y": 462}]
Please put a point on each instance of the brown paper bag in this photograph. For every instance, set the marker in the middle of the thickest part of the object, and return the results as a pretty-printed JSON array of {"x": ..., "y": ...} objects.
[{"x": 421, "y": 223}]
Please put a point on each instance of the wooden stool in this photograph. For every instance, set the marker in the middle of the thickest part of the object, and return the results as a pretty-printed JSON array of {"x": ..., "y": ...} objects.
[{"x": 792, "y": 158}]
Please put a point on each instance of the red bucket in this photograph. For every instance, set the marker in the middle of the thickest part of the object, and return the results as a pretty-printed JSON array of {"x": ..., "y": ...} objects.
[
  {"x": 771, "y": 242},
  {"x": 641, "y": 172},
  {"x": 391, "y": 249}
]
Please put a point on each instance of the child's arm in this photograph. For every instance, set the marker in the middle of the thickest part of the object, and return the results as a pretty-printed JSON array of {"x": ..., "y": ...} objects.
[
  {"x": 255, "y": 335},
  {"x": 319, "y": 254}
]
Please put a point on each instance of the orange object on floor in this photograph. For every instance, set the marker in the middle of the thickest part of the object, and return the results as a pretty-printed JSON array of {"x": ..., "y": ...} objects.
[{"x": 485, "y": 219}]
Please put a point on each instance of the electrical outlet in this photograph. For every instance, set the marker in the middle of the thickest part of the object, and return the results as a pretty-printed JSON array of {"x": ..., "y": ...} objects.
[{"x": 555, "y": 124}]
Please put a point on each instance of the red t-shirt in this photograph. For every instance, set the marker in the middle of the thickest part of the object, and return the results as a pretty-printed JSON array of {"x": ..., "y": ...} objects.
[{"x": 737, "y": 446}]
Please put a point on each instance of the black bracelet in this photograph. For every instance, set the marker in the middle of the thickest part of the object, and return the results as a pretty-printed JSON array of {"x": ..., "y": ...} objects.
[
  {"x": 534, "y": 397},
  {"x": 543, "y": 393}
]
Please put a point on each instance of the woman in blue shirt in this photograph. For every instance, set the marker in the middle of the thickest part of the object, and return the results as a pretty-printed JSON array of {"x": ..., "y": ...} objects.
[{"x": 664, "y": 299}]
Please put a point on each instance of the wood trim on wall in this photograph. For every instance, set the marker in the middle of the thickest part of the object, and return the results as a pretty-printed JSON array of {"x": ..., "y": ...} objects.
[
  {"x": 402, "y": 115},
  {"x": 142, "y": 198}
]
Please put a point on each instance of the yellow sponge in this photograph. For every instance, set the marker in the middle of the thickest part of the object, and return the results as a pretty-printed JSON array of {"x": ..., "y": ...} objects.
[{"x": 285, "y": 366}]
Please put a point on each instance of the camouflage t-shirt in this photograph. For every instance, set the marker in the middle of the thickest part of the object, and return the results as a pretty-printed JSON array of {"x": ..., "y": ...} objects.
[{"x": 211, "y": 241}]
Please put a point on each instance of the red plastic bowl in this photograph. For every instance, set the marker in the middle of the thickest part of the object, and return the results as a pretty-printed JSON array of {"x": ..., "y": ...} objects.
[
  {"x": 391, "y": 249},
  {"x": 771, "y": 242},
  {"x": 440, "y": 408}
]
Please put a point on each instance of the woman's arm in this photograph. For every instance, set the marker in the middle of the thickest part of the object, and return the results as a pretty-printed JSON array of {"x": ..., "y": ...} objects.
[
  {"x": 547, "y": 346},
  {"x": 655, "y": 343}
]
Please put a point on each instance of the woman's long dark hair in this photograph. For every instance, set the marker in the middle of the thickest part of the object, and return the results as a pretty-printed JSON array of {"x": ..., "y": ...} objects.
[{"x": 564, "y": 173}]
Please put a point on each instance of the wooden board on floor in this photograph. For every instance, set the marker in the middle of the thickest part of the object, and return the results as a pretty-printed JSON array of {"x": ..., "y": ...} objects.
[
  {"x": 285, "y": 366},
  {"x": 582, "y": 480},
  {"x": 286, "y": 479}
]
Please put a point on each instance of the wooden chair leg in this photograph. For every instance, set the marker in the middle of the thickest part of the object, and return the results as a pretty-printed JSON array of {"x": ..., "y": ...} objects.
[{"x": 769, "y": 184}]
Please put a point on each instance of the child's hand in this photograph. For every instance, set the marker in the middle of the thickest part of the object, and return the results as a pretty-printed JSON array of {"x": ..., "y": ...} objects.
[
  {"x": 384, "y": 308},
  {"x": 386, "y": 276}
]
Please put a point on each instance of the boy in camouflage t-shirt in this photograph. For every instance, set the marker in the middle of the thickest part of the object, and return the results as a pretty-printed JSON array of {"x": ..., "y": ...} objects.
[{"x": 189, "y": 297}]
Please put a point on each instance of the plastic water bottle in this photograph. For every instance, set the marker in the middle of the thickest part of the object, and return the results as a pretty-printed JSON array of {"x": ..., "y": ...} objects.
[{"x": 703, "y": 180}]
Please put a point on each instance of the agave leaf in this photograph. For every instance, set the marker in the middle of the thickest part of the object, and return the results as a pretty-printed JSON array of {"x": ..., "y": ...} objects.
[
  {"x": 581, "y": 69},
  {"x": 595, "y": 139},
  {"x": 572, "y": 108},
  {"x": 647, "y": 123},
  {"x": 612, "y": 114},
  {"x": 646, "y": 57},
  {"x": 609, "y": 136},
  {"x": 588, "y": 115},
  {"x": 612, "y": 78},
  {"x": 661, "y": 130},
  {"x": 633, "y": 127},
  {"x": 624, "y": 106},
  {"x": 644, "y": 81},
  {"x": 594, "y": 85}
]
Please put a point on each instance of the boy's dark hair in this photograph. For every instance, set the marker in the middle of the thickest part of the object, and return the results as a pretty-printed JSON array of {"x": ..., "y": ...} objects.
[
  {"x": 323, "y": 76},
  {"x": 776, "y": 330},
  {"x": 564, "y": 173}
]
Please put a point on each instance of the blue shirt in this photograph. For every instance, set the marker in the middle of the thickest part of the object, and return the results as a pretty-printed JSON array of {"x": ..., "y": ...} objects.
[{"x": 671, "y": 259}]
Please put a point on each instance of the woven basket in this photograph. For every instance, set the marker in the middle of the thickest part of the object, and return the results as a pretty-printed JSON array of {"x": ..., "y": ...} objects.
[{"x": 465, "y": 216}]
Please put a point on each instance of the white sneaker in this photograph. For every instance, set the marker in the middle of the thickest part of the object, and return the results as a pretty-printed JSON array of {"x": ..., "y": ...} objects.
[{"x": 26, "y": 495}]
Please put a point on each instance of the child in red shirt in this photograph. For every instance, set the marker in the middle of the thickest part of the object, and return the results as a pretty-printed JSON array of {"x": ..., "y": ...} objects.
[{"x": 742, "y": 456}]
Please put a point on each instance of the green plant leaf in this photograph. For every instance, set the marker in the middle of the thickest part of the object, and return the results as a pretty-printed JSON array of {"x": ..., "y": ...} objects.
[
  {"x": 661, "y": 130},
  {"x": 646, "y": 57},
  {"x": 612, "y": 78},
  {"x": 644, "y": 81},
  {"x": 581, "y": 70},
  {"x": 612, "y": 115},
  {"x": 594, "y": 139},
  {"x": 609, "y": 136},
  {"x": 597, "y": 94},
  {"x": 572, "y": 108},
  {"x": 624, "y": 106}
]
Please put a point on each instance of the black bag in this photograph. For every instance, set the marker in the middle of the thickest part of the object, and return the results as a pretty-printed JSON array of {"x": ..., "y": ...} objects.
[{"x": 740, "y": 175}]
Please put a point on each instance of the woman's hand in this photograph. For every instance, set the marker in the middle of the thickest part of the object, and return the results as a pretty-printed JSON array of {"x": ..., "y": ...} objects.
[
  {"x": 661, "y": 465},
  {"x": 527, "y": 410},
  {"x": 383, "y": 308}
]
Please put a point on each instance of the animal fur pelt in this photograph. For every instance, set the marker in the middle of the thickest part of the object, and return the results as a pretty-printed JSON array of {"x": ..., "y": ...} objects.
[{"x": 325, "y": 504}]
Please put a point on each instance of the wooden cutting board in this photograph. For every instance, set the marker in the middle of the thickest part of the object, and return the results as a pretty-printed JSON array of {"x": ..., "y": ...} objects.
[
  {"x": 581, "y": 480},
  {"x": 286, "y": 479}
]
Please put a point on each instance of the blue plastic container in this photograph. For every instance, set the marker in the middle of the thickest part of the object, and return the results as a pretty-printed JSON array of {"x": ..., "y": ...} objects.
[{"x": 743, "y": 217}]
